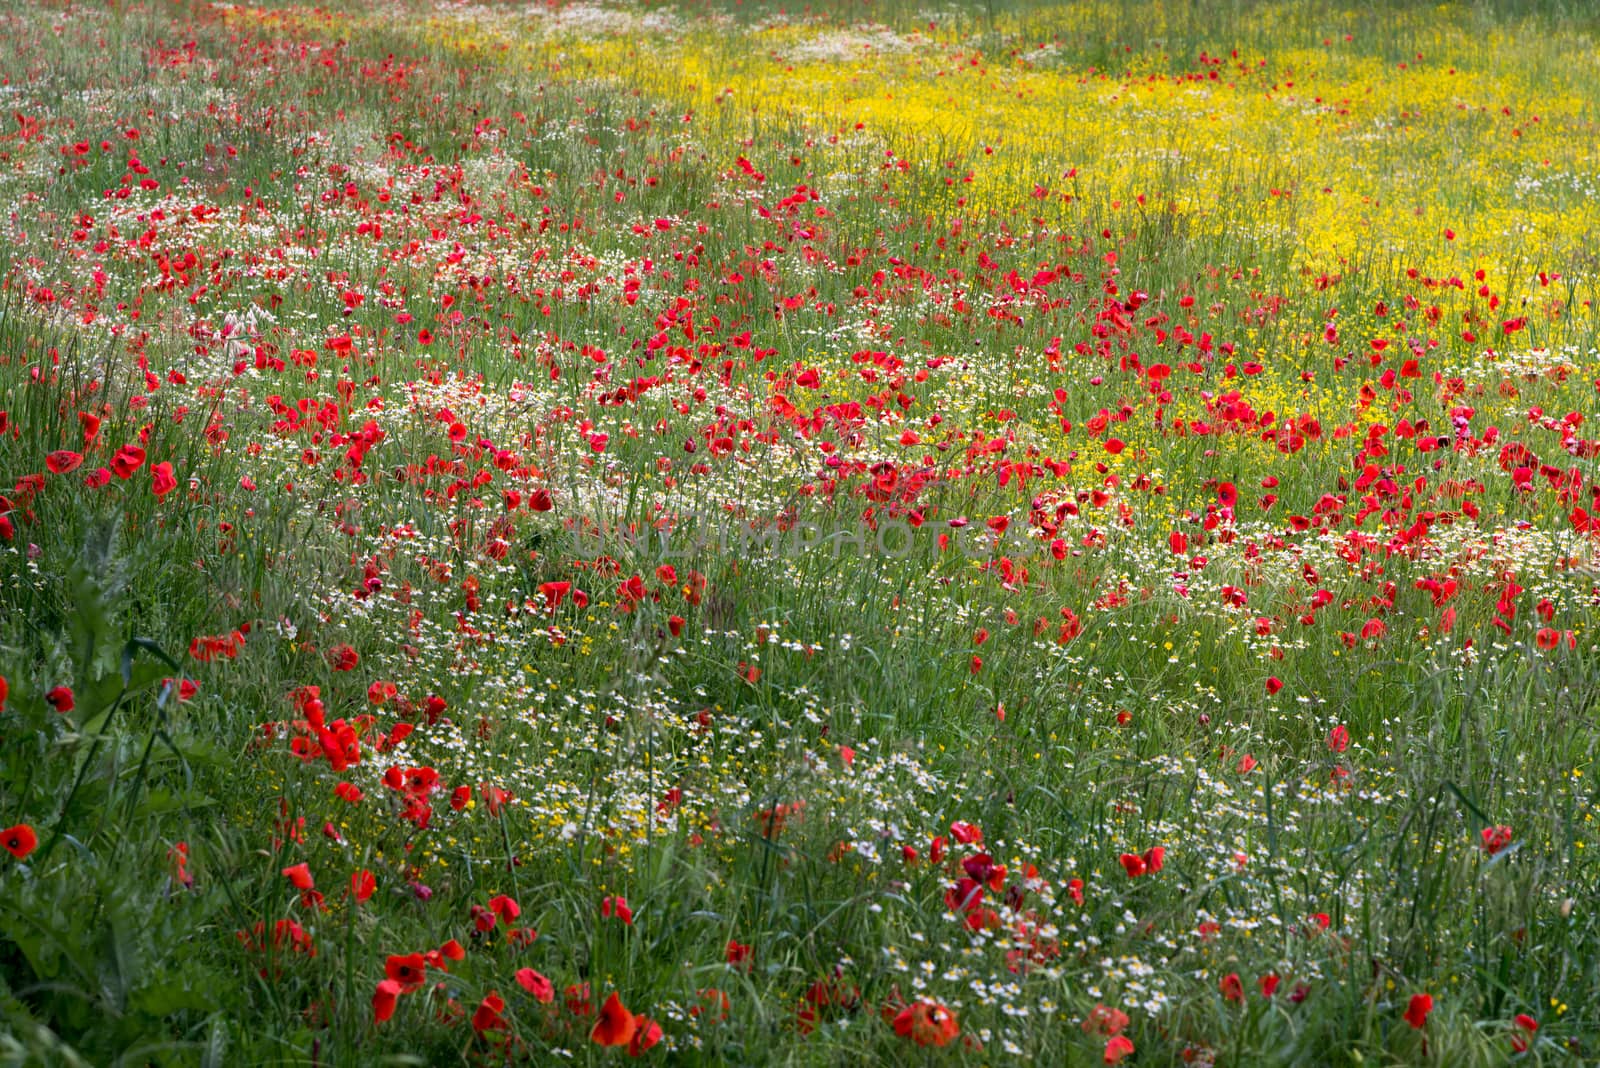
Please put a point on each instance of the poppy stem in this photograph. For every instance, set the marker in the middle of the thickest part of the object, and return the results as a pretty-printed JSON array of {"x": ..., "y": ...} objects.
[
  {"x": 58, "y": 829},
  {"x": 511, "y": 860}
]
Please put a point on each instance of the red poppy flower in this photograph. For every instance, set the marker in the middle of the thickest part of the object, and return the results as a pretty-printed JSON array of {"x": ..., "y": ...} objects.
[
  {"x": 577, "y": 1000},
  {"x": 179, "y": 857},
  {"x": 618, "y": 907},
  {"x": 739, "y": 954},
  {"x": 60, "y": 699},
  {"x": 1269, "y": 985},
  {"x": 1526, "y": 1026},
  {"x": 63, "y": 460},
  {"x": 343, "y": 658},
  {"x": 452, "y": 950},
  {"x": 384, "y": 999},
  {"x": 1118, "y": 1047},
  {"x": 616, "y": 1025},
  {"x": 299, "y": 876},
  {"x": 1417, "y": 1011},
  {"x": 407, "y": 970},
  {"x": 127, "y": 460},
  {"x": 487, "y": 1017},
  {"x": 1232, "y": 988},
  {"x": 646, "y": 1033},
  {"x": 505, "y": 907},
  {"x": 1495, "y": 839},
  {"x": 362, "y": 884},
  {"x": 5, "y": 690},
  {"x": 19, "y": 841},
  {"x": 1150, "y": 861},
  {"x": 162, "y": 481},
  {"x": 1104, "y": 1020},
  {"x": 927, "y": 1024},
  {"x": 713, "y": 1005},
  {"x": 542, "y": 989},
  {"x": 1339, "y": 738}
]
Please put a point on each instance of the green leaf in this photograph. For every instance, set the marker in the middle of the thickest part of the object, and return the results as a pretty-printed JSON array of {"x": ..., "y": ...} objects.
[
  {"x": 157, "y": 802},
  {"x": 192, "y": 994}
]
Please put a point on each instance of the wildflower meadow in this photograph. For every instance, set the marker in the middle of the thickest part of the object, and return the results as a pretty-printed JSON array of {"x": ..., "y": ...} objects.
[{"x": 727, "y": 532}]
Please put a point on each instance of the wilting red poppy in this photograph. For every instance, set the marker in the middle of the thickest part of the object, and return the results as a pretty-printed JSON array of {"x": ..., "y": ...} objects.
[
  {"x": 927, "y": 1024},
  {"x": 384, "y": 999},
  {"x": 1417, "y": 1011},
  {"x": 616, "y": 1025},
  {"x": 63, "y": 460},
  {"x": 541, "y": 988},
  {"x": 19, "y": 841}
]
